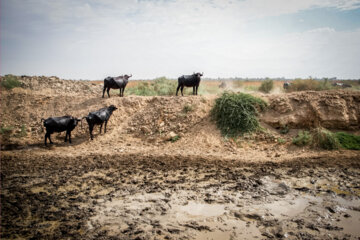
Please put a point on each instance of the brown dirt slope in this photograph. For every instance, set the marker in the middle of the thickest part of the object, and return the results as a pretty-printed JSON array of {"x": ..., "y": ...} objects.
[{"x": 146, "y": 124}]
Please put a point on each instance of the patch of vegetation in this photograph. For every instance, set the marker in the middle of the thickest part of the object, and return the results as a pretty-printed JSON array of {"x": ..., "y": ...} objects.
[
  {"x": 6, "y": 130},
  {"x": 309, "y": 84},
  {"x": 303, "y": 138},
  {"x": 206, "y": 89},
  {"x": 281, "y": 140},
  {"x": 235, "y": 113},
  {"x": 141, "y": 89},
  {"x": 164, "y": 86},
  {"x": 348, "y": 141},
  {"x": 22, "y": 132},
  {"x": 266, "y": 86},
  {"x": 324, "y": 139},
  {"x": 251, "y": 88},
  {"x": 188, "y": 108},
  {"x": 174, "y": 139},
  {"x": 10, "y": 81},
  {"x": 157, "y": 87},
  {"x": 284, "y": 129}
]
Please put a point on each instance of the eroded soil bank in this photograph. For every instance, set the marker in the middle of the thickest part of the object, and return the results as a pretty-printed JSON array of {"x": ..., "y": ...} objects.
[{"x": 128, "y": 196}]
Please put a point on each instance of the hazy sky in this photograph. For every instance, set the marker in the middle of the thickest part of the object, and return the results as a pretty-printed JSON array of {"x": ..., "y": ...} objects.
[{"x": 93, "y": 39}]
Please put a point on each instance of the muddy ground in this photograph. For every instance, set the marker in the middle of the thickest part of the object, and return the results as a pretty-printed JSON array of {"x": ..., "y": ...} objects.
[
  {"x": 133, "y": 183},
  {"x": 157, "y": 197}
]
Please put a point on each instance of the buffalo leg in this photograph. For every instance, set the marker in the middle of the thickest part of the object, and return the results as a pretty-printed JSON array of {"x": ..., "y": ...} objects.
[
  {"x": 194, "y": 90},
  {"x": 66, "y": 135},
  {"x": 123, "y": 89},
  {"x": 120, "y": 92},
  {"x": 46, "y": 137},
  {"x": 90, "y": 130},
  {"x": 197, "y": 89},
  {"x": 69, "y": 136},
  {"x": 101, "y": 127},
  {"x": 104, "y": 91},
  {"x": 108, "y": 90},
  {"x": 177, "y": 90},
  {"x": 105, "y": 126},
  {"x": 182, "y": 89},
  {"x": 51, "y": 142}
]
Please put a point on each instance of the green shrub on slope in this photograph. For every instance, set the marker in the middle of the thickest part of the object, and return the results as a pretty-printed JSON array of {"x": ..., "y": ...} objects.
[
  {"x": 348, "y": 141},
  {"x": 235, "y": 113}
]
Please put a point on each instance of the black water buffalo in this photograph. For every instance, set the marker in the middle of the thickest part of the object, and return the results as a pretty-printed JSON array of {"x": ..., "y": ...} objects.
[
  {"x": 99, "y": 117},
  {"x": 343, "y": 85},
  {"x": 116, "y": 83},
  {"x": 286, "y": 85},
  {"x": 59, "y": 124},
  {"x": 189, "y": 81},
  {"x": 337, "y": 84}
]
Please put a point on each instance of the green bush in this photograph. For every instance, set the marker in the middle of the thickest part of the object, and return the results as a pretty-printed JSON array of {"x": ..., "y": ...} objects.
[
  {"x": 303, "y": 138},
  {"x": 266, "y": 86},
  {"x": 348, "y": 141},
  {"x": 325, "y": 139},
  {"x": 163, "y": 86},
  {"x": 142, "y": 89},
  {"x": 309, "y": 84},
  {"x": 157, "y": 87},
  {"x": 236, "y": 113},
  {"x": 10, "y": 82}
]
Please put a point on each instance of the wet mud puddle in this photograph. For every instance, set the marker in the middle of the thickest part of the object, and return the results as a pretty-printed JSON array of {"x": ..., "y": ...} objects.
[{"x": 278, "y": 212}]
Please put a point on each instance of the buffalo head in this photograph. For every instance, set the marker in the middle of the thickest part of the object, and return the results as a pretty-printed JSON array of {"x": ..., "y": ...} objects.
[
  {"x": 127, "y": 76},
  {"x": 199, "y": 74},
  {"x": 112, "y": 108}
]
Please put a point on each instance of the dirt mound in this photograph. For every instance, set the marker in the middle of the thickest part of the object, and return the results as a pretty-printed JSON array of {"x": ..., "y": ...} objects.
[
  {"x": 146, "y": 123},
  {"x": 163, "y": 115},
  {"x": 54, "y": 85},
  {"x": 329, "y": 109}
]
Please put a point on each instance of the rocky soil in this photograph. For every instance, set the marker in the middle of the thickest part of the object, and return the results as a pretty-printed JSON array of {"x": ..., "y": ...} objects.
[{"x": 163, "y": 170}]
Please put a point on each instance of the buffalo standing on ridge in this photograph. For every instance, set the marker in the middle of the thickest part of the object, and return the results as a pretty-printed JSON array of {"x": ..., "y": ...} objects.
[
  {"x": 116, "y": 83},
  {"x": 189, "y": 81}
]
